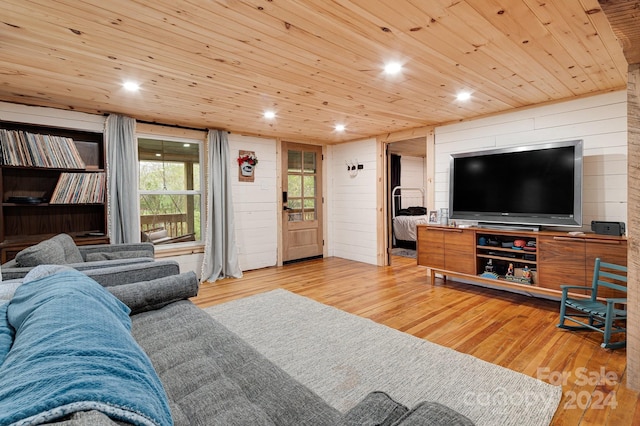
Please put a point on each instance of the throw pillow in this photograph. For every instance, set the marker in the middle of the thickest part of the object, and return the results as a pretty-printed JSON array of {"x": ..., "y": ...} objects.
[
  {"x": 71, "y": 251},
  {"x": 94, "y": 257},
  {"x": 45, "y": 252}
]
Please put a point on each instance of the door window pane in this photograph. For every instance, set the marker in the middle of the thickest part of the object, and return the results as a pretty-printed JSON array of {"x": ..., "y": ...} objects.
[
  {"x": 309, "y": 162},
  {"x": 295, "y": 186},
  {"x": 295, "y": 161},
  {"x": 309, "y": 186}
]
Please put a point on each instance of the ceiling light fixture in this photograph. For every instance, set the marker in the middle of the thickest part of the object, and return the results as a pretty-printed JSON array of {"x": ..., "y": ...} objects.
[
  {"x": 131, "y": 86},
  {"x": 269, "y": 115},
  {"x": 340, "y": 128},
  {"x": 392, "y": 68},
  {"x": 186, "y": 145},
  {"x": 463, "y": 96}
]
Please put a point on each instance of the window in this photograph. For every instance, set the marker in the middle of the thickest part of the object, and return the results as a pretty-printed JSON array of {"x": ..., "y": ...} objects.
[{"x": 170, "y": 182}]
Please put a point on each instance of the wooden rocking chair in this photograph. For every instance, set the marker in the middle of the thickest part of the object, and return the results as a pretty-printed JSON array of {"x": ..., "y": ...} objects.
[{"x": 608, "y": 315}]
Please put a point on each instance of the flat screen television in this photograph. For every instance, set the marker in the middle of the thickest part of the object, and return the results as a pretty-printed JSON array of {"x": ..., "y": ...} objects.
[{"x": 539, "y": 185}]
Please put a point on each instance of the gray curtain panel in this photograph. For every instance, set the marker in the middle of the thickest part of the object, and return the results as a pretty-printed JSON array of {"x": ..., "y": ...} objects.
[
  {"x": 220, "y": 253},
  {"x": 122, "y": 172}
]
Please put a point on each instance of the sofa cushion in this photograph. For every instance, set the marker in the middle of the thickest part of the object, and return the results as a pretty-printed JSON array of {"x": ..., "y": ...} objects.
[
  {"x": 211, "y": 373},
  {"x": 433, "y": 414},
  {"x": 45, "y": 252},
  {"x": 377, "y": 408}
]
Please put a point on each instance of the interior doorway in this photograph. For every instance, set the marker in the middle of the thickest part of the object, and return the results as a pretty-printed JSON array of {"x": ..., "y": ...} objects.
[
  {"x": 407, "y": 200},
  {"x": 302, "y": 219}
]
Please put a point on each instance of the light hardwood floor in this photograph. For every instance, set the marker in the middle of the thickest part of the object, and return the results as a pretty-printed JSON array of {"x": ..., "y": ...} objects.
[{"x": 514, "y": 331}]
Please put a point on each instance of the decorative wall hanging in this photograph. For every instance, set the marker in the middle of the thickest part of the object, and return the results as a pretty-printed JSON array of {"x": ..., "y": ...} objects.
[{"x": 247, "y": 162}]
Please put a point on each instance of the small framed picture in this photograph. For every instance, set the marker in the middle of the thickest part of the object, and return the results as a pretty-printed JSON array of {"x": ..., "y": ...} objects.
[{"x": 433, "y": 216}]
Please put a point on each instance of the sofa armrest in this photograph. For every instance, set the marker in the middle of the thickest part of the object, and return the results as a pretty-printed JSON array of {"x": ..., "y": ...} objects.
[
  {"x": 154, "y": 294},
  {"x": 133, "y": 273},
  {"x": 140, "y": 249}
]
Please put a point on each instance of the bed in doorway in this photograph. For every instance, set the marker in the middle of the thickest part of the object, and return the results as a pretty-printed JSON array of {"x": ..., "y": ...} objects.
[{"x": 406, "y": 219}]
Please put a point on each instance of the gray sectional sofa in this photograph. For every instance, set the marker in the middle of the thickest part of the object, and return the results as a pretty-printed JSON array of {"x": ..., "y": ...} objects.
[{"x": 210, "y": 375}]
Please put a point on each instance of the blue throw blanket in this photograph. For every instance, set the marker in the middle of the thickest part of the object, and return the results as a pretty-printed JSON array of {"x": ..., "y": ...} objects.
[{"x": 73, "y": 351}]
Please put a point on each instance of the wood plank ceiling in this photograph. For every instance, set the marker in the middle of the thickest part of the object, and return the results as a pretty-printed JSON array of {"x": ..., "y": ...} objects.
[{"x": 316, "y": 63}]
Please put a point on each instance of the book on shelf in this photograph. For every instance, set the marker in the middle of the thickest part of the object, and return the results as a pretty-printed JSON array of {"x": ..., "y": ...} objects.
[
  {"x": 79, "y": 188},
  {"x": 19, "y": 148}
]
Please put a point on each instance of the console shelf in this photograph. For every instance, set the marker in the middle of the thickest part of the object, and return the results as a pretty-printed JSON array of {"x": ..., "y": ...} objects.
[{"x": 536, "y": 262}]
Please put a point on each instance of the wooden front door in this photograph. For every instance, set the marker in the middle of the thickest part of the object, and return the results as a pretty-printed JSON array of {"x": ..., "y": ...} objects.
[{"x": 301, "y": 201}]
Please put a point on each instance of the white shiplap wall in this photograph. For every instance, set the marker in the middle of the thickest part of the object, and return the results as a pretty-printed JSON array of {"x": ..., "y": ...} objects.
[
  {"x": 412, "y": 175},
  {"x": 600, "y": 121},
  {"x": 255, "y": 203},
  {"x": 352, "y": 202}
]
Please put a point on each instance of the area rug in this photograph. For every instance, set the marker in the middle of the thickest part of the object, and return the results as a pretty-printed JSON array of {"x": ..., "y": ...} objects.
[
  {"x": 343, "y": 357},
  {"x": 399, "y": 251}
]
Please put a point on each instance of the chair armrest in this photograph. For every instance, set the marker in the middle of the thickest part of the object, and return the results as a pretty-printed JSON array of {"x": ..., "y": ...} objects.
[
  {"x": 565, "y": 289},
  {"x": 616, "y": 300},
  {"x": 141, "y": 249},
  {"x": 581, "y": 287}
]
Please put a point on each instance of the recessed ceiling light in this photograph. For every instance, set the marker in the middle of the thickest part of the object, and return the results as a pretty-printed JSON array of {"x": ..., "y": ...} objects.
[
  {"x": 186, "y": 145},
  {"x": 340, "y": 128},
  {"x": 131, "y": 86},
  {"x": 158, "y": 154},
  {"x": 269, "y": 115},
  {"x": 392, "y": 68},
  {"x": 463, "y": 96}
]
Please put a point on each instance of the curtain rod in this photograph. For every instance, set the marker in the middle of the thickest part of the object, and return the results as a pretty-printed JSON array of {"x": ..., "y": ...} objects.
[{"x": 177, "y": 126}]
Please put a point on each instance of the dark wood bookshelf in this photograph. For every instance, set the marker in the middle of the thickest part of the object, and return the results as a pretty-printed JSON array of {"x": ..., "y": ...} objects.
[{"x": 23, "y": 224}]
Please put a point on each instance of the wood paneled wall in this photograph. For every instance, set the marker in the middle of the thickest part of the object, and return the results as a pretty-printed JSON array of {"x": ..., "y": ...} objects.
[{"x": 633, "y": 233}]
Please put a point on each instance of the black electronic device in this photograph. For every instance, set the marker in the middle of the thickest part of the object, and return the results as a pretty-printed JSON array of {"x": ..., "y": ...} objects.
[
  {"x": 538, "y": 184},
  {"x": 26, "y": 200},
  {"x": 608, "y": 228}
]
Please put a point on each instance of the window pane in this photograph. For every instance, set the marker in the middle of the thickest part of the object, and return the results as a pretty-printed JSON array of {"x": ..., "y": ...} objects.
[
  {"x": 168, "y": 165},
  {"x": 309, "y": 162},
  {"x": 309, "y": 186},
  {"x": 178, "y": 215},
  {"x": 295, "y": 161},
  {"x": 294, "y": 186},
  {"x": 310, "y": 215}
]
